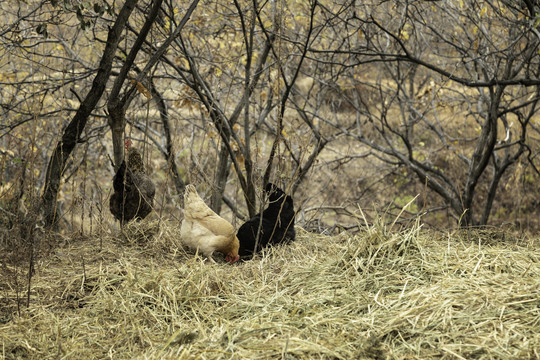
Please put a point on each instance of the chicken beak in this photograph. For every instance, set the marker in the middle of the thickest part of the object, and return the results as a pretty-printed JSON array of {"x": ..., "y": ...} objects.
[{"x": 232, "y": 259}]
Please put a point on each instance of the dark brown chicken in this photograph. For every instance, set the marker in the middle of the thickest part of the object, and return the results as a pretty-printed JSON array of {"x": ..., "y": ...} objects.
[{"x": 134, "y": 191}]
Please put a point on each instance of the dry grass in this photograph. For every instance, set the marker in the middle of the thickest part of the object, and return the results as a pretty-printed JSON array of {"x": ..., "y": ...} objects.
[{"x": 384, "y": 293}]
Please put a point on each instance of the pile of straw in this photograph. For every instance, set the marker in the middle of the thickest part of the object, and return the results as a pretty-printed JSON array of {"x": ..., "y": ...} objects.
[{"x": 382, "y": 293}]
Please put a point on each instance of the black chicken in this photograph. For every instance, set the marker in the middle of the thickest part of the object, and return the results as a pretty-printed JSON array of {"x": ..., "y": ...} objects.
[
  {"x": 134, "y": 191},
  {"x": 276, "y": 223}
]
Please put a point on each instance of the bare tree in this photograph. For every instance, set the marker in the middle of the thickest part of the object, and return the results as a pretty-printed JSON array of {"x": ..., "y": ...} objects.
[
  {"x": 118, "y": 105},
  {"x": 360, "y": 101},
  {"x": 258, "y": 45},
  {"x": 479, "y": 59},
  {"x": 75, "y": 128}
]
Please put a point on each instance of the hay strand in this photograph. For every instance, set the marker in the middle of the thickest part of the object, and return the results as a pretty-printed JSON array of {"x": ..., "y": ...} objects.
[{"x": 378, "y": 294}]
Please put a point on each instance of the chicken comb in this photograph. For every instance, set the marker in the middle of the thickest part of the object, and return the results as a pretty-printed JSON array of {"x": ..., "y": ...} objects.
[{"x": 127, "y": 144}]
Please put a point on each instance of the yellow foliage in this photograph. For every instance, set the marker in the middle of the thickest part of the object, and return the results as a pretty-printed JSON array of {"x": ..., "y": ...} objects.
[
  {"x": 277, "y": 86},
  {"x": 212, "y": 134},
  {"x": 404, "y": 35},
  {"x": 142, "y": 89},
  {"x": 181, "y": 61},
  {"x": 8, "y": 152},
  {"x": 240, "y": 160},
  {"x": 234, "y": 146},
  {"x": 5, "y": 188},
  {"x": 483, "y": 11}
]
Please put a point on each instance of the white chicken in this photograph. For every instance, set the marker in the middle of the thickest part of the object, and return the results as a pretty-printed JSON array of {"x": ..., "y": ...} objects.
[{"x": 205, "y": 231}]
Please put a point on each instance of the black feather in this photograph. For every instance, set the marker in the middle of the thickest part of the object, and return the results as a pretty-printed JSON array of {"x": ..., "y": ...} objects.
[{"x": 276, "y": 223}]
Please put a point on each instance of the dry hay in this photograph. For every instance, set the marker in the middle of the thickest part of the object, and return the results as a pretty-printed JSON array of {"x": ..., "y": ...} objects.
[{"x": 383, "y": 293}]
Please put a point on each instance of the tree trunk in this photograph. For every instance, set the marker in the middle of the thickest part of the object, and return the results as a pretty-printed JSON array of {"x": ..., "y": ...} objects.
[
  {"x": 482, "y": 154},
  {"x": 170, "y": 157},
  {"x": 73, "y": 131},
  {"x": 221, "y": 179},
  {"x": 117, "y": 123},
  {"x": 117, "y": 107}
]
